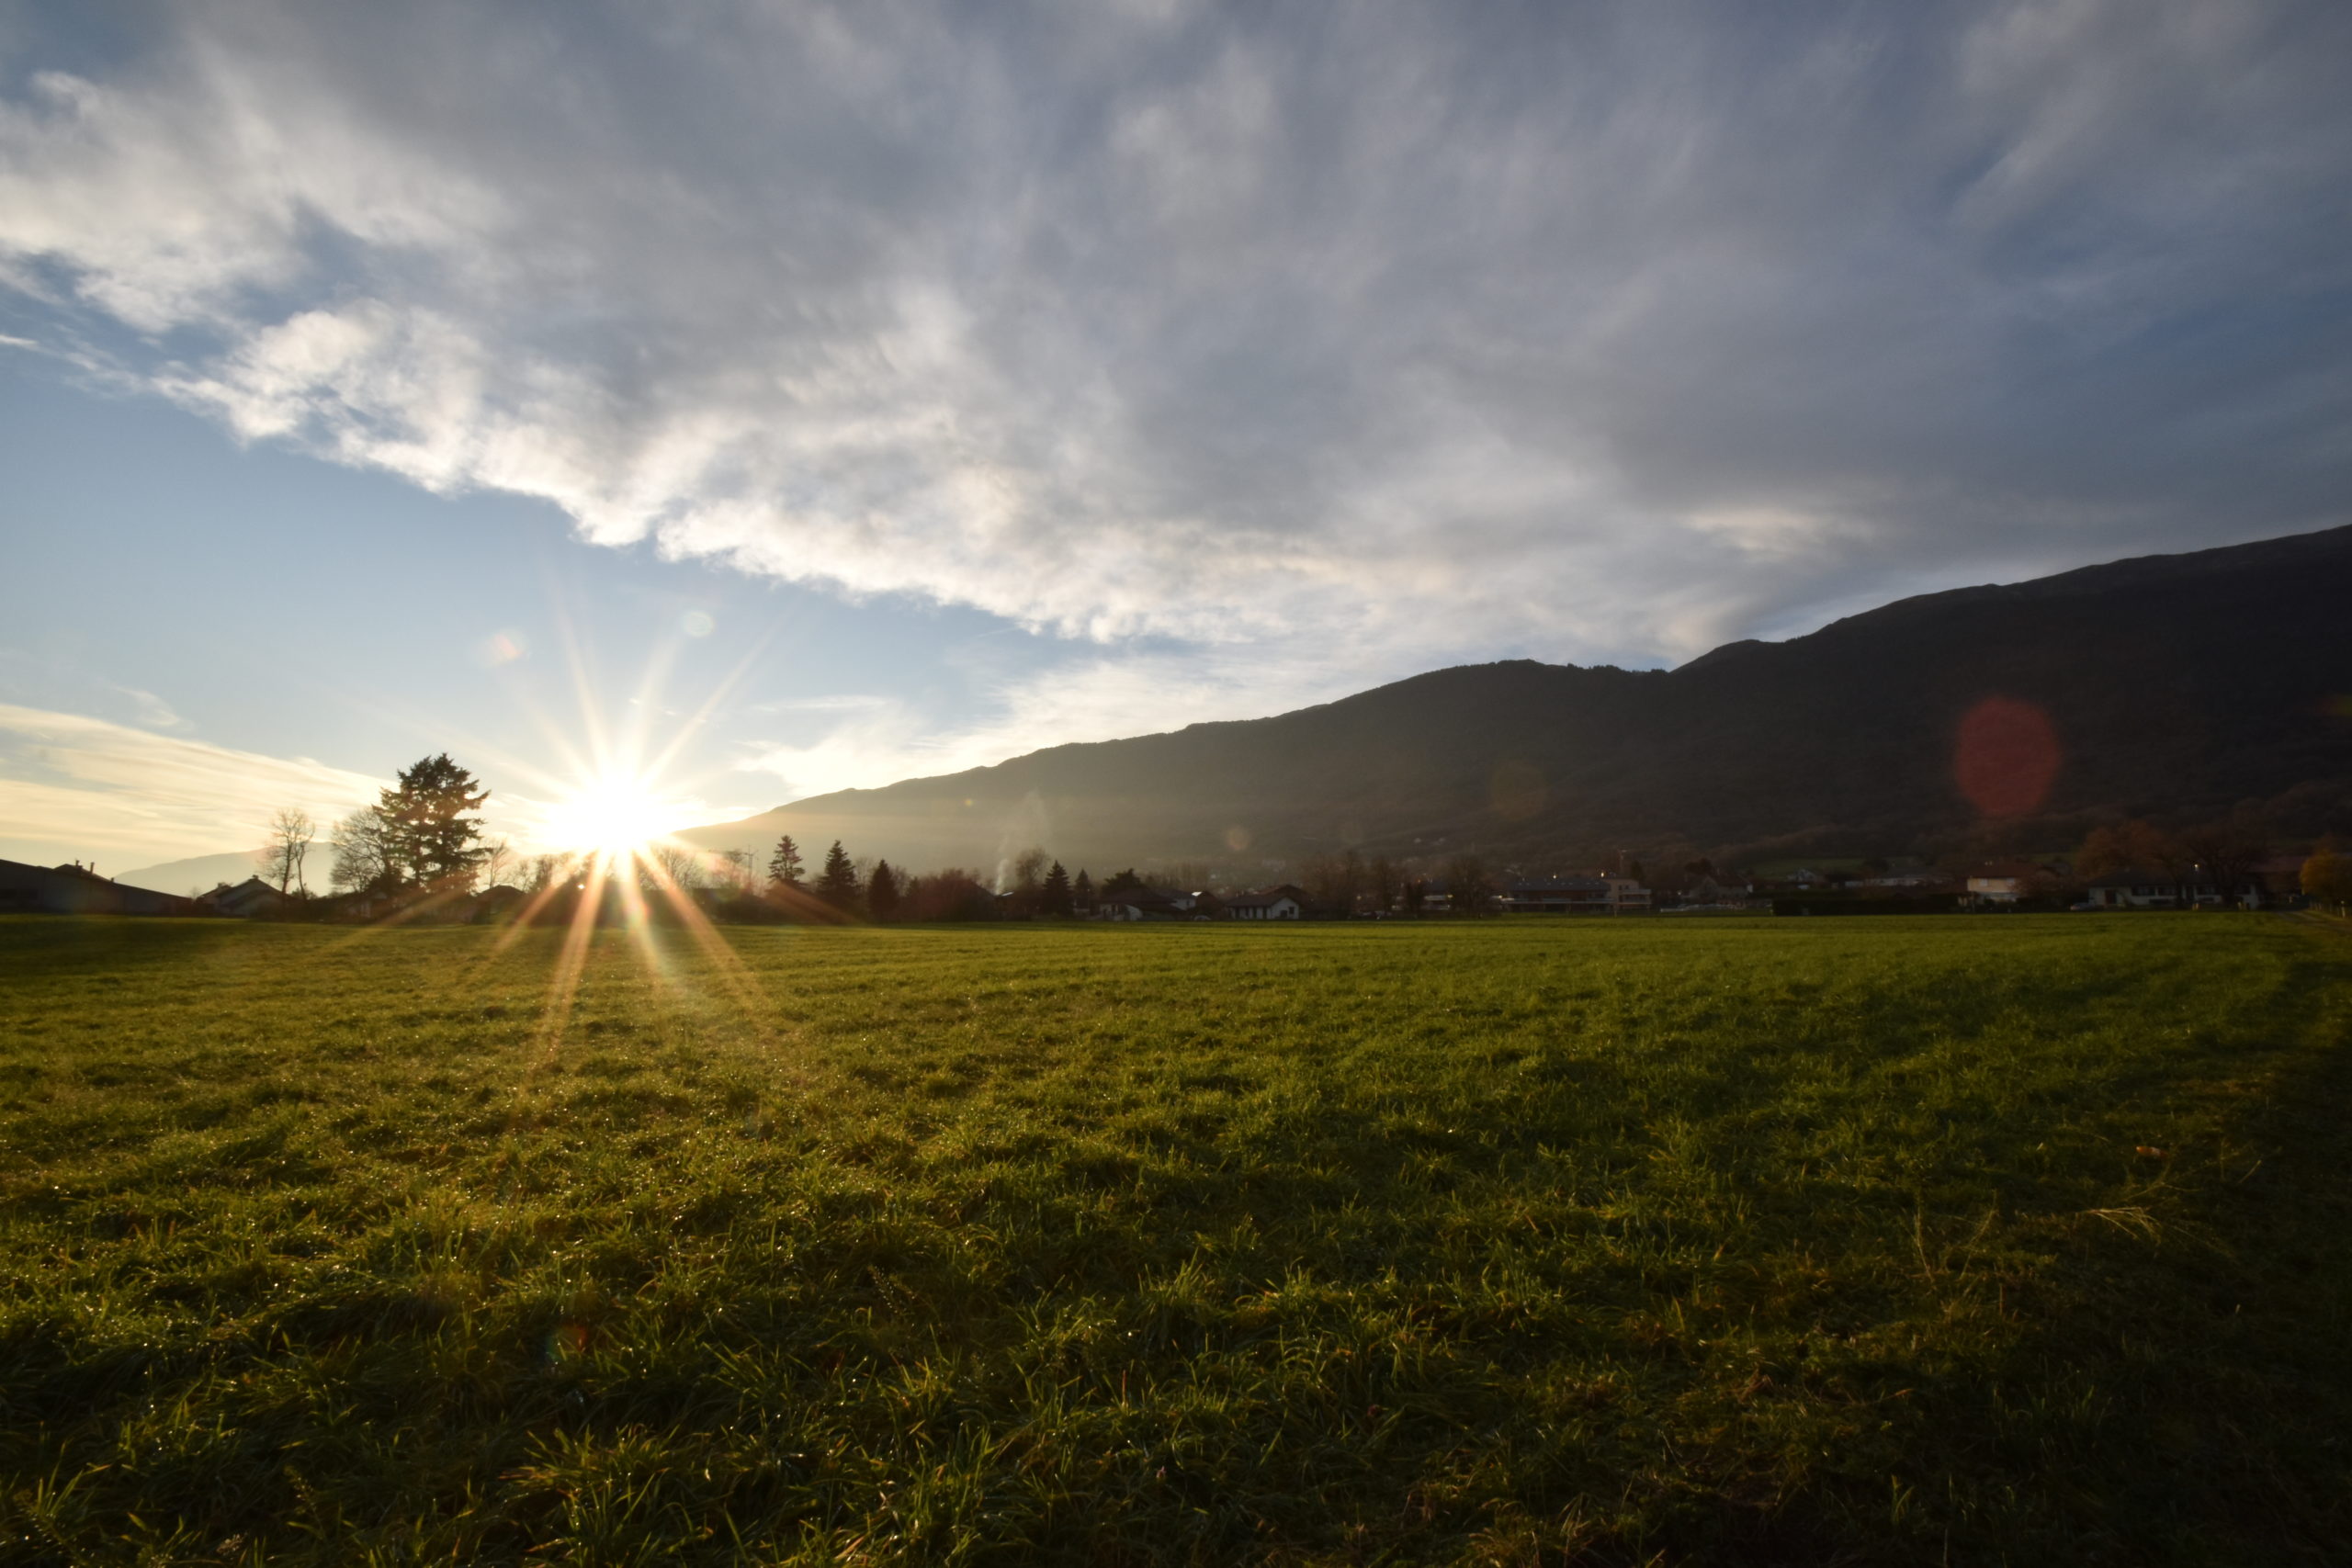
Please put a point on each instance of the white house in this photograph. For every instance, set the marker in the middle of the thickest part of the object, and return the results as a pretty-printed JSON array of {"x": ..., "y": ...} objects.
[
  {"x": 2133, "y": 889},
  {"x": 1283, "y": 903}
]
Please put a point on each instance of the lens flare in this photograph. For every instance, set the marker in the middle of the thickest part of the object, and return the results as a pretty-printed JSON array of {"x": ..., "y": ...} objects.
[
  {"x": 2006, "y": 756},
  {"x": 614, "y": 817}
]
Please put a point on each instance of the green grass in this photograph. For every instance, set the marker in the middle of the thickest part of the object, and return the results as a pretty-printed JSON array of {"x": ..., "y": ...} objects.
[{"x": 1611, "y": 1242}]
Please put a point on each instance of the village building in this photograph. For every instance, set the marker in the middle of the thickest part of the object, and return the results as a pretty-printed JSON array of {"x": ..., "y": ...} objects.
[
  {"x": 2007, "y": 881},
  {"x": 1590, "y": 895},
  {"x": 2135, "y": 889},
  {"x": 1282, "y": 903},
  {"x": 245, "y": 900},
  {"x": 75, "y": 890},
  {"x": 1711, "y": 893},
  {"x": 1141, "y": 903}
]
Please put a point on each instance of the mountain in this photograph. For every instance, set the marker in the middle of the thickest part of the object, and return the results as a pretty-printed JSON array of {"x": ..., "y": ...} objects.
[
  {"x": 2183, "y": 686},
  {"x": 202, "y": 872}
]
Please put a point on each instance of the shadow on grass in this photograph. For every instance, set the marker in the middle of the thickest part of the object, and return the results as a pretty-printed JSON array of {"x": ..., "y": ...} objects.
[{"x": 2186, "y": 1398}]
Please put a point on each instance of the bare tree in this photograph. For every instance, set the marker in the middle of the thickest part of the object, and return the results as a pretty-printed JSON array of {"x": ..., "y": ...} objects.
[
  {"x": 290, "y": 832},
  {"x": 681, "y": 867},
  {"x": 501, "y": 863},
  {"x": 363, "y": 849},
  {"x": 2225, "y": 856},
  {"x": 1471, "y": 888}
]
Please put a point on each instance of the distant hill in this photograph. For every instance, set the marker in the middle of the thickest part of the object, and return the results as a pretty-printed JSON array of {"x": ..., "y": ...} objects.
[
  {"x": 203, "y": 872},
  {"x": 2179, "y": 686}
]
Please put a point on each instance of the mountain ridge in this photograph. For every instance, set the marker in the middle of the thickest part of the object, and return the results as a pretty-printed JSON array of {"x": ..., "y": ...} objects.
[{"x": 2199, "y": 682}]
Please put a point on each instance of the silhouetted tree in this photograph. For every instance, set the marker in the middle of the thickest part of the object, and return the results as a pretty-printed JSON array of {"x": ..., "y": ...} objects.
[
  {"x": 1123, "y": 881},
  {"x": 784, "y": 865},
  {"x": 2327, "y": 876},
  {"x": 1019, "y": 882},
  {"x": 1054, "y": 897},
  {"x": 1471, "y": 889},
  {"x": 673, "y": 865},
  {"x": 837, "y": 883},
  {"x": 1081, "y": 892},
  {"x": 2225, "y": 856},
  {"x": 290, "y": 832},
  {"x": 363, "y": 851},
  {"x": 949, "y": 895},
  {"x": 882, "y": 891},
  {"x": 1380, "y": 881},
  {"x": 2126, "y": 846},
  {"x": 430, "y": 828}
]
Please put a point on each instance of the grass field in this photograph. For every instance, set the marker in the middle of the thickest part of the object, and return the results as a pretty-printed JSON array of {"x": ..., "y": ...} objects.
[{"x": 2016, "y": 1240}]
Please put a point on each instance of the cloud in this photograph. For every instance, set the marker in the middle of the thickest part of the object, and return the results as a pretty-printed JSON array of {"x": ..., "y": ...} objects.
[
  {"x": 1302, "y": 344},
  {"x": 87, "y": 788}
]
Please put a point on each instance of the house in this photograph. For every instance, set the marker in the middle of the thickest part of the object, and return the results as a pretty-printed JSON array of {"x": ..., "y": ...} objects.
[
  {"x": 1709, "y": 893},
  {"x": 1282, "y": 903},
  {"x": 2007, "y": 881},
  {"x": 1140, "y": 903},
  {"x": 75, "y": 890},
  {"x": 252, "y": 897},
  {"x": 1913, "y": 880},
  {"x": 2136, "y": 888}
]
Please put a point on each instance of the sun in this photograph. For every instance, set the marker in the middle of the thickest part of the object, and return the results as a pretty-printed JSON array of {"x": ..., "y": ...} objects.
[{"x": 614, "y": 817}]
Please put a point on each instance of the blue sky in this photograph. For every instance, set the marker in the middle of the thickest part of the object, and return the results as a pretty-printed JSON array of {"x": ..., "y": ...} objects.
[{"x": 811, "y": 396}]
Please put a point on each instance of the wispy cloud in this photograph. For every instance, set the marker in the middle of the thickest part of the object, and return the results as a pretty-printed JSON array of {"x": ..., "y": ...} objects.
[
  {"x": 98, "y": 790},
  {"x": 1320, "y": 340}
]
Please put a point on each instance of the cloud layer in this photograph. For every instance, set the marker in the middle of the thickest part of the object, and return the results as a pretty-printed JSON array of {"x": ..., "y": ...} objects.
[
  {"x": 128, "y": 795},
  {"x": 1298, "y": 342}
]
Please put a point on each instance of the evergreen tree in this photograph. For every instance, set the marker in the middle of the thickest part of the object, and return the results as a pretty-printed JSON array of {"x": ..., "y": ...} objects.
[
  {"x": 837, "y": 883},
  {"x": 430, "y": 836},
  {"x": 1054, "y": 897},
  {"x": 882, "y": 891},
  {"x": 1081, "y": 892},
  {"x": 784, "y": 866}
]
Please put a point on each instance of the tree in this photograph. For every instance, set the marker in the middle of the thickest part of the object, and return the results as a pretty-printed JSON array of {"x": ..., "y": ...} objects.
[
  {"x": 1081, "y": 893},
  {"x": 1469, "y": 886},
  {"x": 1381, "y": 883},
  {"x": 784, "y": 865},
  {"x": 674, "y": 865},
  {"x": 363, "y": 851},
  {"x": 501, "y": 863},
  {"x": 290, "y": 832},
  {"x": 739, "y": 870},
  {"x": 2126, "y": 846},
  {"x": 1028, "y": 868},
  {"x": 949, "y": 895},
  {"x": 1054, "y": 897},
  {"x": 2327, "y": 876},
  {"x": 837, "y": 883},
  {"x": 2225, "y": 856},
  {"x": 431, "y": 833},
  {"x": 882, "y": 891}
]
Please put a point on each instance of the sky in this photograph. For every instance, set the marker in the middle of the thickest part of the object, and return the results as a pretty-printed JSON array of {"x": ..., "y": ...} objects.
[{"x": 757, "y": 399}]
